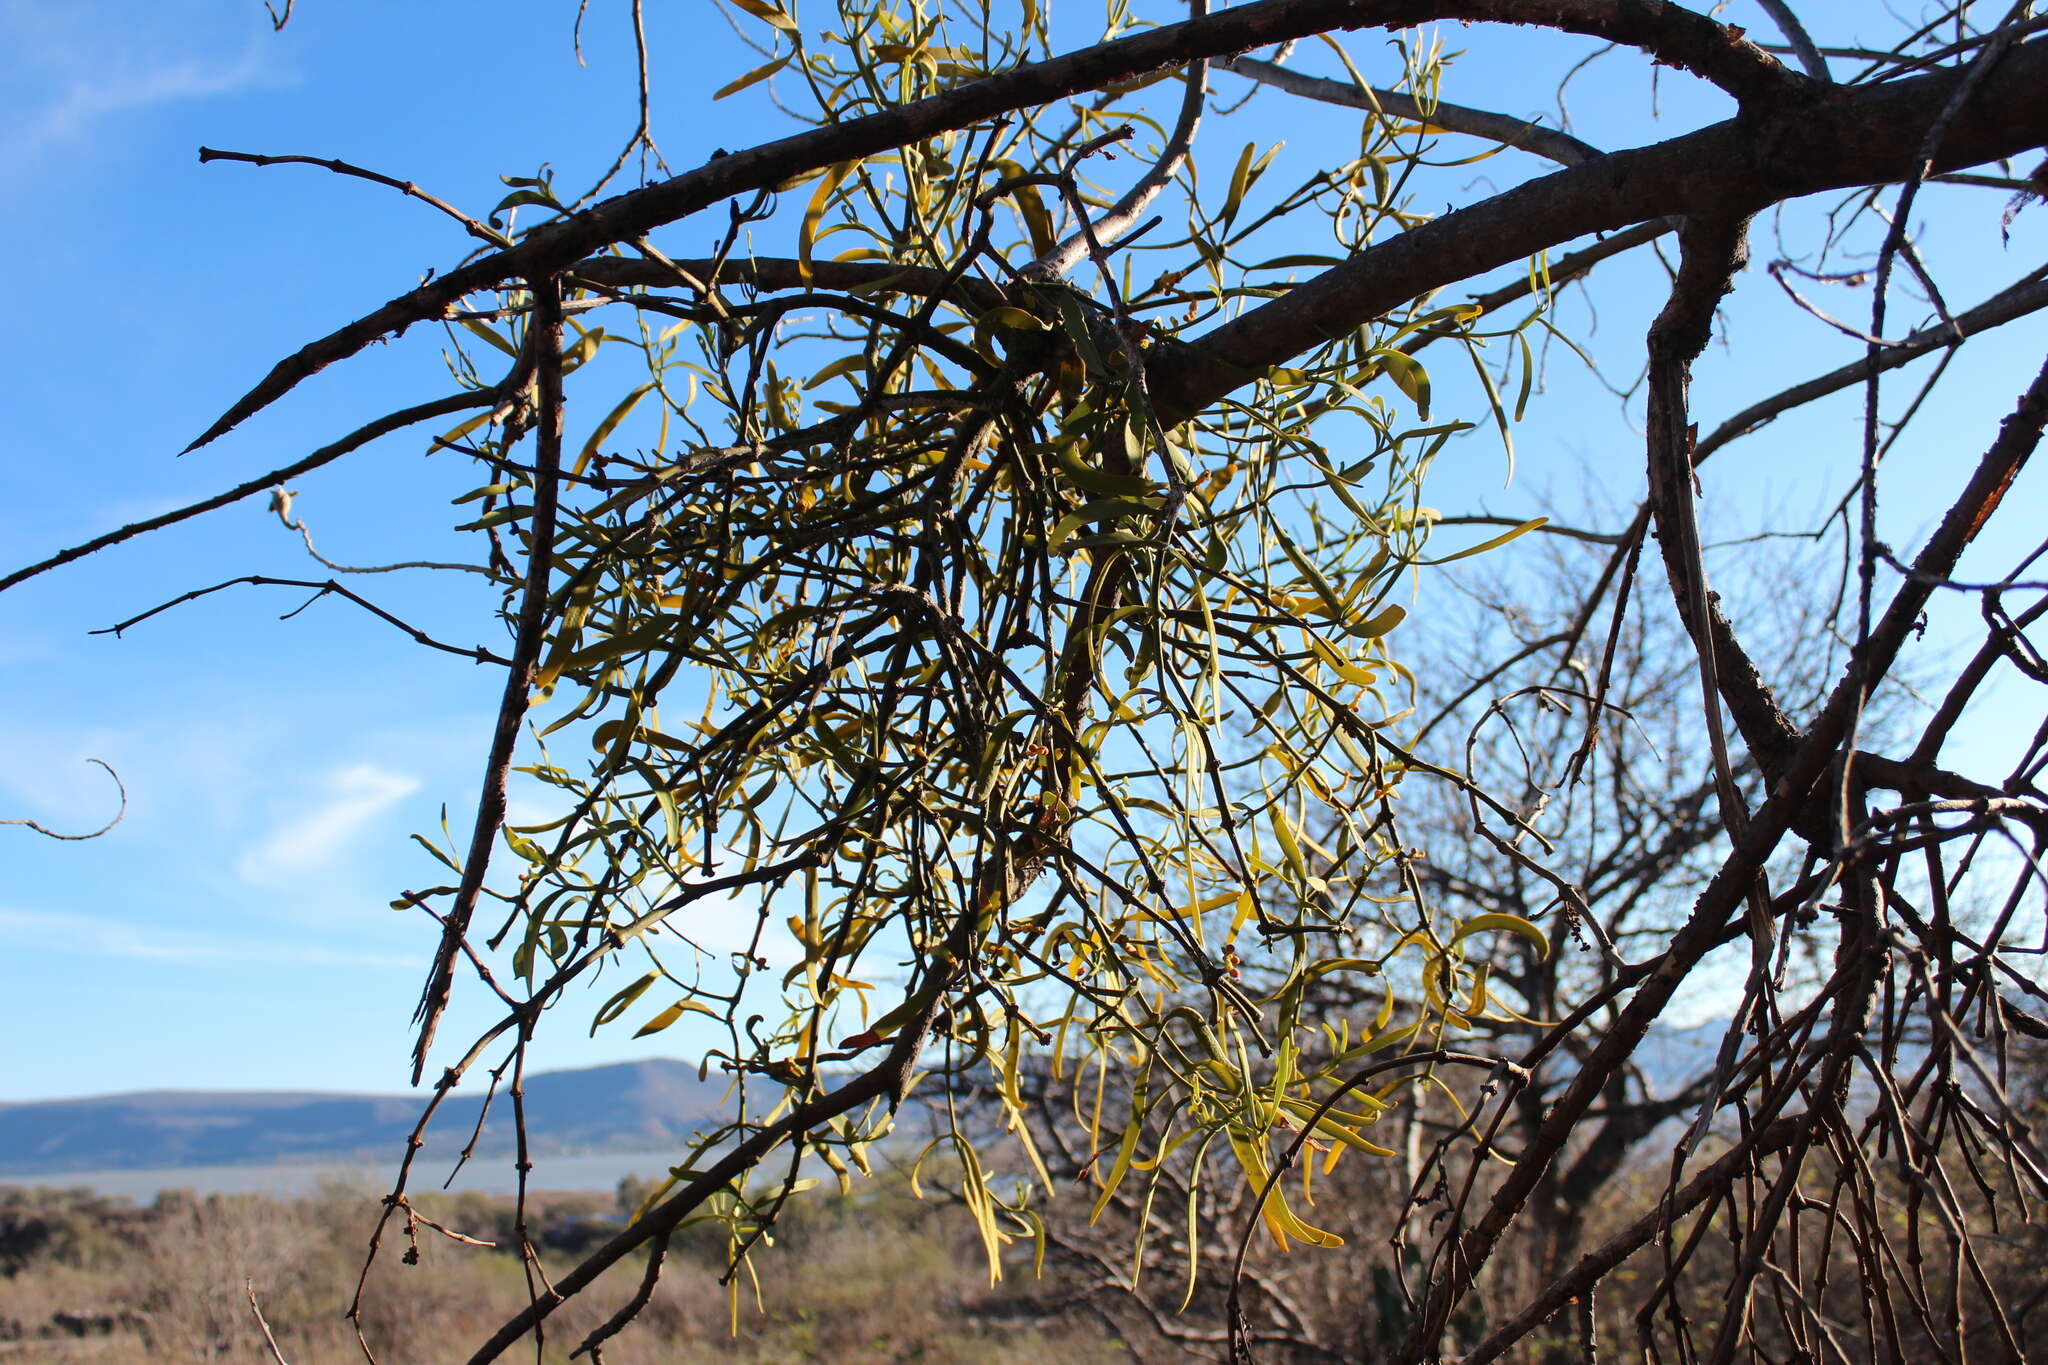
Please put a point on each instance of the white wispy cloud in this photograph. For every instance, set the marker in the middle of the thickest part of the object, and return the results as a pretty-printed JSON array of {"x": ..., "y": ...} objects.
[
  {"x": 71, "y": 67},
  {"x": 351, "y": 800},
  {"x": 100, "y": 936},
  {"x": 86, "y": 100}
]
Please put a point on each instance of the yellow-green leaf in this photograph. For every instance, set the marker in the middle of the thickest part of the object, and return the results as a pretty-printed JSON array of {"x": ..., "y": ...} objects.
[
  {"x": 610, "y": 424},
  {"x": 1240, "y": 177},
  {"x": 767, "y": 14},
  {"x": 1513, "y": 924},
  {"x": 492, "y": 337},
  {"x": 621, "y": 1002},
  {"x": 846, "y": 364},
  {"x": 754, "y": 77},
  {"x": 673, "y": 1013},
  {"x": 1407, "y": 374},
  {"x": 814, "y": 212},
  {"x": 1494, "y": 544},
  {"x": 1379, "y": 623}
]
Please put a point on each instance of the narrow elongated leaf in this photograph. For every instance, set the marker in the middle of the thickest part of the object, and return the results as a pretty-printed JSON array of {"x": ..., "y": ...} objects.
[
  {"x": 673, "y": 1013},
  {"x": 754, "y": 77},
  {"x": 814, "y": 213},
  {"x": 1491, "y": 544}
]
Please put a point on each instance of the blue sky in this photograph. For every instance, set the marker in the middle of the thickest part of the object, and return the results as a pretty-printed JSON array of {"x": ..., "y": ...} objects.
[{"x": 233, "y": 932}]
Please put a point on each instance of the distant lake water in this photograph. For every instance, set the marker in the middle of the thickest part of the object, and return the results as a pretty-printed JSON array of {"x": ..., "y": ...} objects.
[{"x": 591, "y": 1171}]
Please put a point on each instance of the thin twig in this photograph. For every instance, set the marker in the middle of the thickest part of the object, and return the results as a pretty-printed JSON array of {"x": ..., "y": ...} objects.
[
  {"x": 643, "y": 131},
  {"x": 1124, "y": 214},
  {"x": 355, "y": 440},
  {"x": 1521, "y": 134},
  {"x": 257, "y": 1308},
  {"x": 470, "y": 225},
  {"x": 281, "y": 500},
  {"x": 320, "y": 589},
  {"x": 2026, "y": 296},
  {"x": 1924, "y": 165},
  {"x": 119, "y": 814},
  {"x": 1796, "y": 36}
]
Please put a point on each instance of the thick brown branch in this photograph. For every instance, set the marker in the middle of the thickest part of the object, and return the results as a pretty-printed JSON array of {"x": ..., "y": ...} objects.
[
  {"x": 1848, "y": 137},
  {"x": 1670, "y": 33},
  {"x": 1713, "y": 250},
  {"x": 546, "y": 349}
]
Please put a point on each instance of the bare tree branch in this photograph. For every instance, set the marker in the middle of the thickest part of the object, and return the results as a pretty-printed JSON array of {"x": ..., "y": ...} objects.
[{"x": 1523, "y": 134}]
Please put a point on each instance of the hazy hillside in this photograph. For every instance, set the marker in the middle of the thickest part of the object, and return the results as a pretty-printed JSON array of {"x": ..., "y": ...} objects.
[
  {"x": 631, "y": 1106},
  {"x": 627, "y": 1106}
]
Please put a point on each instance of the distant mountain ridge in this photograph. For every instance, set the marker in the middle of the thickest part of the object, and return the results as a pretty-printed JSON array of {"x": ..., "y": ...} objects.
[{"x": 623, "y": 1107}]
